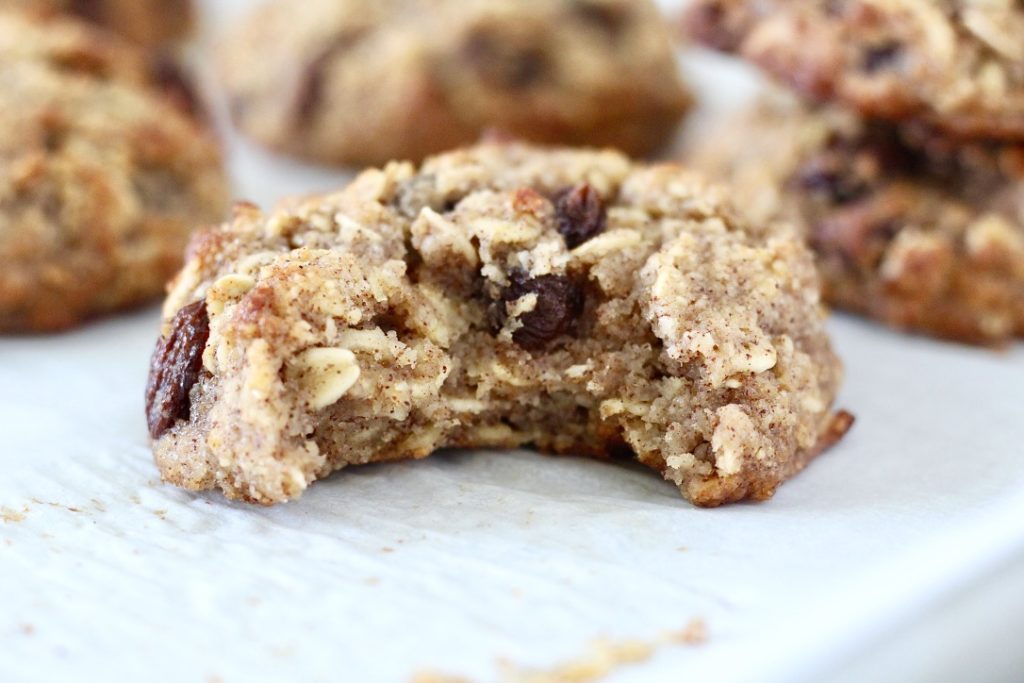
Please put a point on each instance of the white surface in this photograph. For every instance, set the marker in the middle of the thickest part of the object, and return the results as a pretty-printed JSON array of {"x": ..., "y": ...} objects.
[
  {"x": 450, "y": 563},
  {"x": 975, "y": 635}
]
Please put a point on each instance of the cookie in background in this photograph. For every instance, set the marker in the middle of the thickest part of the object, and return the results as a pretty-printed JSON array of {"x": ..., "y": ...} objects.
[
  {"x": 363, "y": 82},
  {"x": 956, "y": 64},
  {"x": 910, "y": 228},
  {"x": 107, "y": 169}
]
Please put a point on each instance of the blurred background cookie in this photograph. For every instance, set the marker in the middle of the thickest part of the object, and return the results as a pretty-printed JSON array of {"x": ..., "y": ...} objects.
[
  {"x": 363, "y": 82},
  {"x": 910, "y": 228},
  {"x": 959, "y": 64},
  {"x": 103, "y": 175},
  {"x": 150, "y": 23}
]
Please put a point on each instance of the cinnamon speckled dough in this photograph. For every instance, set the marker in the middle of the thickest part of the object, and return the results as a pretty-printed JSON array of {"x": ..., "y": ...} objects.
[
  {"x": 957, "y": 63},
  {"x": 910, "y": 228},
  {"x": 368, "y": 81},
  {"x": 102, "y": 179},
  {"x": 442, "y": 306},
  {"x": 149, "y": 23}
]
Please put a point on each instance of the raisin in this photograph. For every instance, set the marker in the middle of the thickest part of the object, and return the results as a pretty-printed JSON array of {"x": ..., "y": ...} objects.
[
  {"x": 851, "y": 167},
  {"x": 167, "y": 75},
  {"x": 559, "y": 305},
  {"x": 857, "y": 236},
  {"x": 310, "y": 91},
  {"x": 621, "y": 451},
  {"x": 837, "y": 182},
  {"x": 175, "y": 367},
  {"x": 880, "y": 57},
  {"x": 502, "y": 64},
  {"x": 885, "y": 145},
  {"x": 610, "y": 19},
  {"x": 835, "y": 8},
  {"x": 90, "y": 10},
  {"x": 54, "y": 128},
  {"x": 581, "y": 214},
  {"x": 717, "y": 26}
]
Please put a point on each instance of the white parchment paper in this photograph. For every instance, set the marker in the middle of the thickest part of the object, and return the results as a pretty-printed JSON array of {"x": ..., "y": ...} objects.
[{"x": 452, "y": 563}]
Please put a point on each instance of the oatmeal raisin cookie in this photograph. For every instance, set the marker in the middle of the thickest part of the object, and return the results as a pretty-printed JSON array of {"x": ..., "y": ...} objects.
[
  {"x": 497, "y": 296},
  {"x": 368, "y": 81},
  {"x": 959, "y": 64},
  {"x": 102, "y": 177},
  {"x": 910, "y": 228}
]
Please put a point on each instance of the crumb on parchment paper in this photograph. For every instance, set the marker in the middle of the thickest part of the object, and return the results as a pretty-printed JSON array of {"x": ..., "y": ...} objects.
[
  {"x": 602, "y": 658},
  {"x": 10, "y": 515}
]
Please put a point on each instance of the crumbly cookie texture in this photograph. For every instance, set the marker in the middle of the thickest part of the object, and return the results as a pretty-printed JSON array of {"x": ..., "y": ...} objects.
[
  {"x": 102, "y": 178},
  {"x": 957, "y": 63},
  {"x": 909, "y": 228},
  {"x": 367, "y": 81},
  {"x": 149, "y": 23},
  {"x": 498, "y": 296}
]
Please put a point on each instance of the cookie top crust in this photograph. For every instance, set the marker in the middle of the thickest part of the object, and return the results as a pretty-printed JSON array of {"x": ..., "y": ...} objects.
[
  {"x": 959, "y": 64},
  {"x": 365, "y": 82},
  {"x": 101, "y": 178},
  {"x": 910, "y": 227},
  {"x": 500, "y": 295}
]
